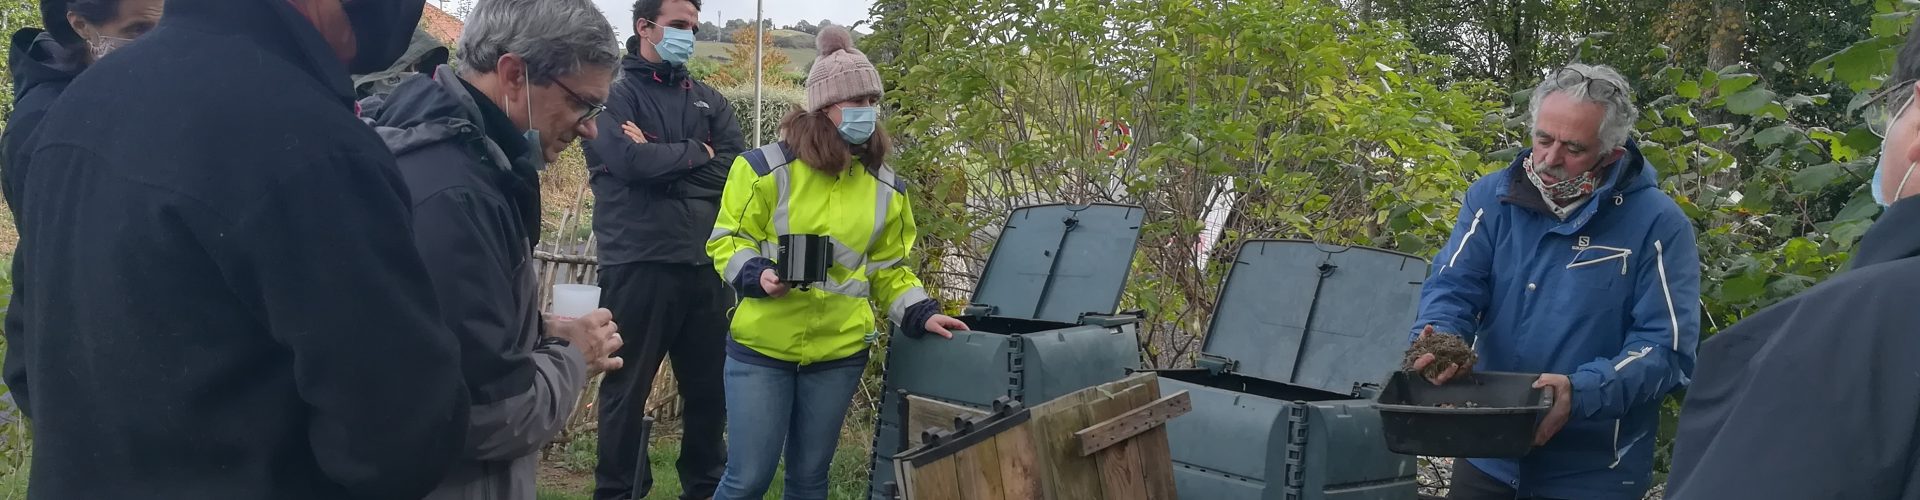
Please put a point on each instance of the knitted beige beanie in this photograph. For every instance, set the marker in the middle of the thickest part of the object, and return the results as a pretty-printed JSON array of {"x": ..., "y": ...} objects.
[{"x": 841, "y": 72}]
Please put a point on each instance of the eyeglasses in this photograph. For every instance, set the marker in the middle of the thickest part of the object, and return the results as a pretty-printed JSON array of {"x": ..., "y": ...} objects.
[
  {"x": 1884, "y": 108},
  {"x": 1596, "y": 88},
  {"x": 593, "y": 109}
]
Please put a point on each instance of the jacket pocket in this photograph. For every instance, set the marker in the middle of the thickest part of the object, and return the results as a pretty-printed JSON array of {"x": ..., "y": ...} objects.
[{"x": 1598, "y": 266}]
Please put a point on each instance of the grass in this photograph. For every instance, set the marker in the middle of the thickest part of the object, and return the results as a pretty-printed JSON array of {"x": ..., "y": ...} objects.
[
  {"x": 797, "y": 59},
  {"x": 847, "y": 480}
]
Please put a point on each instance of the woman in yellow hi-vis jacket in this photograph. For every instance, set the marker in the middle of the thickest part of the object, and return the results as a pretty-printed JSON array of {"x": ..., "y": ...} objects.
[{"x": 796, "y": 355}]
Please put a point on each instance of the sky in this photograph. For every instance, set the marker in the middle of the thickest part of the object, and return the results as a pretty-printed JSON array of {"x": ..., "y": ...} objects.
[{"x": 782, "y": 12}]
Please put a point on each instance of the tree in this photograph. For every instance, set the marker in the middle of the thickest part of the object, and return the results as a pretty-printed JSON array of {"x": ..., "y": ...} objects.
[
  {"x": 1305, "y": 124},
  {"x": 709, "y": 32},
  {"x": 738, "y": 68},
  {"x": 805, "y": 27}
]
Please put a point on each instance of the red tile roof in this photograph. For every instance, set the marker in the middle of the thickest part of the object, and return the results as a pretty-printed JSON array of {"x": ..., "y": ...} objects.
[{"x": 441, "y": 25}]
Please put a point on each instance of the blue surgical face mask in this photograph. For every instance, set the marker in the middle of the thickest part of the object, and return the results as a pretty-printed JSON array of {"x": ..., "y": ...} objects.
[
  {"x": 536, "y": 151},
  {"x": 675, "y": 45},
  {"x": 1879, "y": 195},
  {"x": 856, "y": 124},
  {"x": 1880, "y": 168}
]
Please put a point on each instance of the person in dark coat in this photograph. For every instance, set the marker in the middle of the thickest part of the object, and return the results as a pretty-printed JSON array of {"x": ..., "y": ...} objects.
[
  {"x": 219, "y": 295},
  {"x": 77, "y": 33},
  {"x": 525, "y": 65},
  {"x": 1819, "y": 396},
  {"x": 657, "y": 172}
]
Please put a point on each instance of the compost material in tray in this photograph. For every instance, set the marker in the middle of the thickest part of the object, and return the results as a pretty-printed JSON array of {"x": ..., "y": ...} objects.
[{"x": 1482, "y": 415}]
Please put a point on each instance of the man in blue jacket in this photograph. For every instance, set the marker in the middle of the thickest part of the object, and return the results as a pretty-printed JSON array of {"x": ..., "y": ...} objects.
[{"x": 1572, "y": 263}]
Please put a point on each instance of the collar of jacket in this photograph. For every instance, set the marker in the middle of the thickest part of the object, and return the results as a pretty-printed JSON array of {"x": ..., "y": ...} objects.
[
  {"x": 276, "y": 26},
  {"x": 656, "y": 73},
  {"x": 428, "y": 109},
  {"x": 1895, "y": 236},
  {"x": 1631, "y": 173}
]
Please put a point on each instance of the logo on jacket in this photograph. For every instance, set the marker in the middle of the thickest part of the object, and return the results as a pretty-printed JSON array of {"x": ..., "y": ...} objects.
[{"x": 701, "y": 105}]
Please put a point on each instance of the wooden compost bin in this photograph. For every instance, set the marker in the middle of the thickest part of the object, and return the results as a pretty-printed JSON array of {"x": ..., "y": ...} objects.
[{"x": 1103, "y": 442}]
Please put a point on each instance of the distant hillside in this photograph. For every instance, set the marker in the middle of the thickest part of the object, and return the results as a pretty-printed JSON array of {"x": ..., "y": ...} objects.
[{"x": 797, "y": 59}]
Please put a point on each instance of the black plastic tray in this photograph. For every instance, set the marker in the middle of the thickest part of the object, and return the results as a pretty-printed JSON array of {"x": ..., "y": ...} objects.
[{"x": 1501, "y": 424}]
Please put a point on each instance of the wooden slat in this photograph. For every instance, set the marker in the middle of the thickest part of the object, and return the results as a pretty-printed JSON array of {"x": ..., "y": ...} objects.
[
  {"x": 1019, "y": 465},
  {"x": 1120, "y": 464},
  {"x": 1064, "y": 474},
  {"x": 978, "y": 469},
  {"x": 1121, "y": 474},
  {"x": 924, "y": 413},
  {"x": 1156, "y": 457},
  {"x": 1133, "y": 422},
  {"x": 585, "y": 260},
  {"x": 935, "y": 481}
]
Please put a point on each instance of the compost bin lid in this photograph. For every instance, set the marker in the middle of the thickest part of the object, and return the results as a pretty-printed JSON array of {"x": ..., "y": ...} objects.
[
  {"x": 1055, "y": 262},
  {"x": 1360, "y": 301}
]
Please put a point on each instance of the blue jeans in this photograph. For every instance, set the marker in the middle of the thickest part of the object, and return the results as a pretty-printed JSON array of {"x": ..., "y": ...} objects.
[{"x": 770, "y": 408}]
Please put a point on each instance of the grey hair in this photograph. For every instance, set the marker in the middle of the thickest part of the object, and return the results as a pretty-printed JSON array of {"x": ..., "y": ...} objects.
[
  {"x": 555, "y": 37},
  {"x": 1572, "y": 81}
]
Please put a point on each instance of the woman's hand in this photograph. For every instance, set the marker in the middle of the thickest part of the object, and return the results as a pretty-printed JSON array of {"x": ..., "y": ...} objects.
[
  {"x": 943, "y": 325},
  {"x": 770, "y": 282}
]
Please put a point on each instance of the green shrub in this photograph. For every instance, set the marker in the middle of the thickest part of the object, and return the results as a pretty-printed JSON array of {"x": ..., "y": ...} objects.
[{"x": 775, "y": 103}]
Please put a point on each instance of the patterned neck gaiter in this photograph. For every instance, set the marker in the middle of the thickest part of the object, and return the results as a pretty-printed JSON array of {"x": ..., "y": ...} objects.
[{"x": 1564, "y": 196}]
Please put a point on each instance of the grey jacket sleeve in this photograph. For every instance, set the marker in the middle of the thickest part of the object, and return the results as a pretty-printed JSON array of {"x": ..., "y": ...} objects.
[{"x": 524, "y": 423}]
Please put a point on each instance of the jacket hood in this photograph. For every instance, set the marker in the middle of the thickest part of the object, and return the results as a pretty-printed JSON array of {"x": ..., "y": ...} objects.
[
  {"x": 37, "y": 59},
  {"x": 427, "y": 110},
  {"x": 423, "y": 55},
  {"x": 662, "y": 73}
]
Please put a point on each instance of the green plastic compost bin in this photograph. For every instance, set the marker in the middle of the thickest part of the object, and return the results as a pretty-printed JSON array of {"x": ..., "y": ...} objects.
[
  {"x": 1302, "y": 338},
  {"x": 1042, "y": 317}
]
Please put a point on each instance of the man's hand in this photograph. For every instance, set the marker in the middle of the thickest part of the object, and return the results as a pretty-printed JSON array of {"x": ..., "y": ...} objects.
[
  {"x": 633, "y": 132},
  {"x": 770, "y": 282},
  {"x": 1562, "y": 406},
  {"x": 709, "y": 147},
  {"x": 944, "y": 325},
  {"x": 595, "y": 335},
  {"x": 1452, "y": 370}
]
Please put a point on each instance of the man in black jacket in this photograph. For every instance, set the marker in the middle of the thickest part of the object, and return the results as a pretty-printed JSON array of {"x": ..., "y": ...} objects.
[
  {"x": 657, "y": 172},
  {"x": 525, "y": 65},
  {"x": 1819, "y": 396},
  {"x": 219, "y": 295}
]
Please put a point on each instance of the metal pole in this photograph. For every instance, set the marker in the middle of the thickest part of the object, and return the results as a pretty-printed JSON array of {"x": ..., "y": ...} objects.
[{"x": 759, "y": 63}]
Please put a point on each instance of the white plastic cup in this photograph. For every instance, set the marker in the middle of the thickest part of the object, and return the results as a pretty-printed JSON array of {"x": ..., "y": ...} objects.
[{"x": 574, "y": 301}]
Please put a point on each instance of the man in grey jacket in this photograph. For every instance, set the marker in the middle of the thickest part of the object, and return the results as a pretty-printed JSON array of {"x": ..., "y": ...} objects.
[{"x": 533, "y": 74}]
